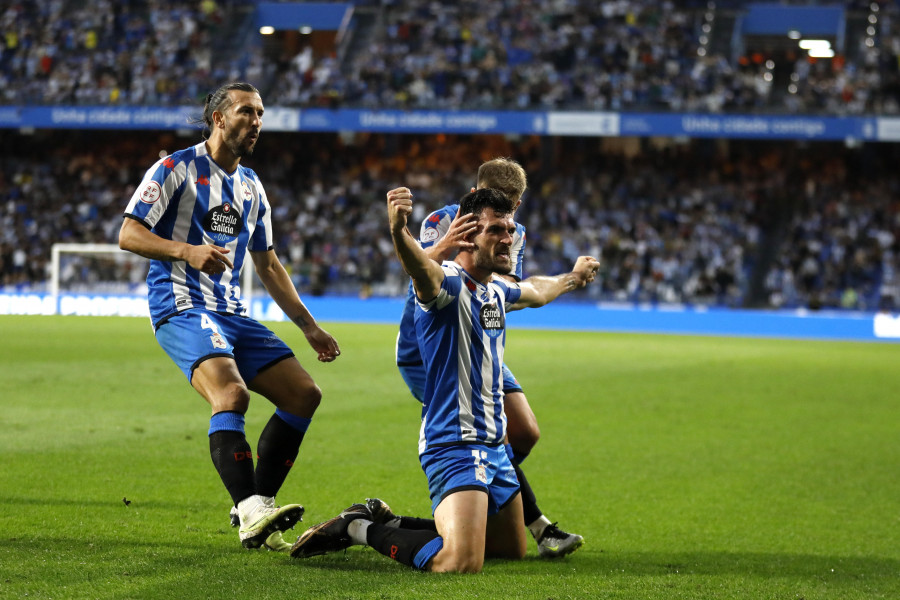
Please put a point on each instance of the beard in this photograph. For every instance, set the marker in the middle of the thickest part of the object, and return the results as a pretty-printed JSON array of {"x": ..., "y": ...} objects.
[
  {"x": 240, "y": 145},
  {"x": 491, "y": 262}
]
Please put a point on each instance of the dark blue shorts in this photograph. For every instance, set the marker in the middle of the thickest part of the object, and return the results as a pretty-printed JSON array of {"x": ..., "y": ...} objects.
[
  {"x": 470, "y": 467},
  {"x": 194, "y": 335}
]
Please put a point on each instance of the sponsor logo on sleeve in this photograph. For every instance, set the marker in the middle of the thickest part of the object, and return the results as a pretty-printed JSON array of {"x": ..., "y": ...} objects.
[
  {"x": 151, "y": 192},
  {"x": 430, "y": 235}
]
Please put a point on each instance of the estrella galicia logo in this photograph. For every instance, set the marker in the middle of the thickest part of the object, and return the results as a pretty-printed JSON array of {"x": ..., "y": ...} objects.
[
  {"x": 492, "y": 320},
  {"x": 223, "y": 223}
]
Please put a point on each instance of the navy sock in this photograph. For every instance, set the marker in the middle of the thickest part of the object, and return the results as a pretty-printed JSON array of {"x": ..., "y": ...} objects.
[
  {"x": 417, "y": 524},
  {"x": 529, "y": 501},
  {"x": 231, "y": 454},
  {"x": 404, "y": 545},
  {"x": 276, "y": 452}
]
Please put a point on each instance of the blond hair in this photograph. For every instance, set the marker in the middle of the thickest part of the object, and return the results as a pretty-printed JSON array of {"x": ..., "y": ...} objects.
[{"x": 504, "y": 175}]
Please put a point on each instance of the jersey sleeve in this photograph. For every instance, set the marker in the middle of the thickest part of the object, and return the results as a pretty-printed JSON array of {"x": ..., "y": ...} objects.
[
  {"x": 263, "y": 238},
  {"x": 450, "y": 287},
  {"x": 511, "y": 292},
  {"x": 436, "y": 225},
  {"x": 517, "y": 252},
  {"x": 161, "y": 183}
]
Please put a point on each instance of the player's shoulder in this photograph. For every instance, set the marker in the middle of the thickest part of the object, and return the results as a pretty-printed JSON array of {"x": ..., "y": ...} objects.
[
  {"x": 189, "y": 154},
  {"x": 248, "y": 173},
  {"x": 177, "y": 159},
  {"x": 444, "y": 213},
  {"x": 452, "y": 268}
]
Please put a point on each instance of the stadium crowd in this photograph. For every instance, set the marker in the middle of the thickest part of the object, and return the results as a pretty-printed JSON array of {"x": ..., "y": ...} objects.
[
  {"x": 760, "y": 224},
  {"x": 115, "y": 52},
  {"x": 534, "y": 54},
  {"x": 761, "y": 227}
]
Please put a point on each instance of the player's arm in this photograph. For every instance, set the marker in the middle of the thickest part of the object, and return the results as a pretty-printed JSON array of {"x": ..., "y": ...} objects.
[
  {"x": 540, "y": 289},
  {"x": 280, "y": 287},
  {"x": 208, "y": 258},
  {"x": 426, "y": 274}
]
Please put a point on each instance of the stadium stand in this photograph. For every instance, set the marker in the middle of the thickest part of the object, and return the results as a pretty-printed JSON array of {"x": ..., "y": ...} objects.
[
  {"x": 696, "y": 223},
  {"x": 771, "y": 224},
  {"x": 575, "y": 54}
]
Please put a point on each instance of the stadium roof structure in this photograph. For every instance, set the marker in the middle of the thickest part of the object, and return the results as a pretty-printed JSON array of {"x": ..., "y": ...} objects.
[
  {"x": 779, "y": 19},
  {"x": 314, "y": 16}
]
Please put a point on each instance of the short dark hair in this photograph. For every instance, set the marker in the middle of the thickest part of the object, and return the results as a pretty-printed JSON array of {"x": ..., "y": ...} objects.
[
  {"x": 219, "y": 101},
  {"x": 477, "y": 201}
]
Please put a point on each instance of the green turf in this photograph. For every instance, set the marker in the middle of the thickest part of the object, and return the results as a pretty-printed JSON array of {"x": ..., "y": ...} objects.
[{"x": 694, "y": 467}]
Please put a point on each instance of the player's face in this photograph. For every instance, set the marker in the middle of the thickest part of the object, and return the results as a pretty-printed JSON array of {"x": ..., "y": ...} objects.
[
  {"x": 243, "y": 120},
  {"x": 493, "y": 240}
]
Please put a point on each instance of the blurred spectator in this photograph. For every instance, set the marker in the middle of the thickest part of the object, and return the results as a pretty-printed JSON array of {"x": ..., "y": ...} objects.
[
  {"x": 676, "y": 224},
  {"x": 512, "y": 55}
]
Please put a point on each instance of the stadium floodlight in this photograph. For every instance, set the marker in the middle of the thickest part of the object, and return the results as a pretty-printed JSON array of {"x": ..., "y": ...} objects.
[
  {"x": 794, "y": 34},
  {"x": 821, "y": 53},
  {"x": 266, "y": 30},
  {"x": 815, "y": 44}
]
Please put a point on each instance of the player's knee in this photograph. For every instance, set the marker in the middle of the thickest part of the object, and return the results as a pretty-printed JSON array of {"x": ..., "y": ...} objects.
[
  {"x": 458, "y": 564},
  {"x": 304, "y": 399},
  {"x": 525, "y": 438},
  {"x": 233, "y": 397},
  {"x": 470, "y": 566},
  {"x": 310, "y": 395},
  {"x": 520, "y": 550},
  {"x": 532, "y": 434}
]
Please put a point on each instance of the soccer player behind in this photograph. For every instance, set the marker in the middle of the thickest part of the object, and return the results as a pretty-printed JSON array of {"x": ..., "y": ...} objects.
[
  {"x": 195, "y": 215},
  {"x": 461, "y": 324}
]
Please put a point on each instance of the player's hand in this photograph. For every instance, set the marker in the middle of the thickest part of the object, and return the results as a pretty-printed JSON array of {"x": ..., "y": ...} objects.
[
  {"x": 323, "y": 343},
  {"x": 399, "y": 203},
  {"x": 585, "y": 269},
  {"x": 461, "y": 230},
  {"x": 209, "y": 259}
]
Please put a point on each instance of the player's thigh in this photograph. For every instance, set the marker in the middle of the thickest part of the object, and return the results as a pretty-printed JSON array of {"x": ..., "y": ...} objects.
[
  {"x": 521, "y": 423},
  {"x": 287, "y": 385},
  {"x": 505, "y": 535},
  {"x": 217, "y": 379},
  {"x": 461, "y": 521}
]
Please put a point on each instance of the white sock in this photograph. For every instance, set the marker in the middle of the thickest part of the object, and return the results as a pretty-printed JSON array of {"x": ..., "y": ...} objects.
[
  {"x": 357, "y": 530},
  {"x": 537, "y": 527}
]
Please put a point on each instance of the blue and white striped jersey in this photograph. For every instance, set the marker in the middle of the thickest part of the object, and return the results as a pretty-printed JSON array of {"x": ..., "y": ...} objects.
[
  {"x": 187, "y": 197},
  {"x": 434, "y": 227},
  {"x": 462, "y": 334}
]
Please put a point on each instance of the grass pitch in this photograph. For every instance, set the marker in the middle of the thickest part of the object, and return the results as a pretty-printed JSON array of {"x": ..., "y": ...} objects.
[{"x": 694, "y": 467}]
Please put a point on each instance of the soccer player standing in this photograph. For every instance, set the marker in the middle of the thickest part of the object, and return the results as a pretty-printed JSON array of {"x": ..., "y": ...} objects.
[
  {"x": 195, "y": 215},
  {"x": 461, "y": 327}
]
